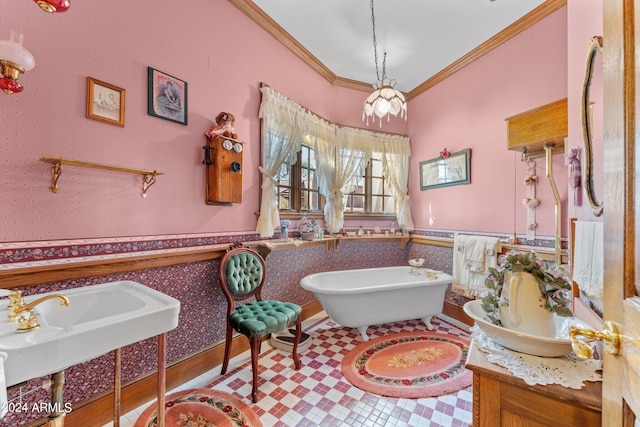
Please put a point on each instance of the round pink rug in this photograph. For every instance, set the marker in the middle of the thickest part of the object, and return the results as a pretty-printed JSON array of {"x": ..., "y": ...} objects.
[
  {"x": 201, "y": 407},
  {"x": 409, "y": 365}
]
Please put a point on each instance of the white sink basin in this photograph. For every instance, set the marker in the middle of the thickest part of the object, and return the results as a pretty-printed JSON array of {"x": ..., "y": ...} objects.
[
  {"x": 99, "y": 318},
  {"x": 552, "y": 346}
]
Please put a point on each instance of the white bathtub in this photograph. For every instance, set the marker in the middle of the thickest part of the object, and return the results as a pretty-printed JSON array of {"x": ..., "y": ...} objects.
[{"x": 373, "y": 296}]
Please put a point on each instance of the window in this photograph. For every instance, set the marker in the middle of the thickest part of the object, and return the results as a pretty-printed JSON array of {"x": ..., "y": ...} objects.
[
  {"x": 372, "y": 194},
  {"x": 298, "y": 188},
  {"x": 298, "y": 184}
]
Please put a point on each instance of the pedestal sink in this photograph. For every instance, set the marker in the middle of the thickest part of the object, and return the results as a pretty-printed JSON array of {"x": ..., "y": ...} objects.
[{"x": 99, "y": 319}]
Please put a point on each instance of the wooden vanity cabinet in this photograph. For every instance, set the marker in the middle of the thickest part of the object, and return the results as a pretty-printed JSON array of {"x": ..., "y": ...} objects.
[{"x": 501, "y": 399}]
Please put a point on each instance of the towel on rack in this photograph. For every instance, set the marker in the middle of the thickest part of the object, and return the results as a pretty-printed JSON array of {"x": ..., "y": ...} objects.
[
  {"x": 588, "y": 258},
  {"x": 472, "y": 257},
  {"x": 474, "y": 254}
]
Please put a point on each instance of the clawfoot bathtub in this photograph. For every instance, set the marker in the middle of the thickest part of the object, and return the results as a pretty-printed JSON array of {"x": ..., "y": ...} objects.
[{"x": 373, "y": 296}]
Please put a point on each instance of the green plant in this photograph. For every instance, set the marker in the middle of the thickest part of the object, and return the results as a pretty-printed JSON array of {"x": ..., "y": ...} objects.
[{"x": 553, "y": 284}]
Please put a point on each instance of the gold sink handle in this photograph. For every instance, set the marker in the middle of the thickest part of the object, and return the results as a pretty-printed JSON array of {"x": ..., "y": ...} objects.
[
  {"x": 15, "y": 300},
  {"x": 610, "y": 335},
  {"x": 30, "y": 322}
]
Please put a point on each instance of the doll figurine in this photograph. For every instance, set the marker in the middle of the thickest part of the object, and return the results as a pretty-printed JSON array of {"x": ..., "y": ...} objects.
[{"x": 224, "y": 126}]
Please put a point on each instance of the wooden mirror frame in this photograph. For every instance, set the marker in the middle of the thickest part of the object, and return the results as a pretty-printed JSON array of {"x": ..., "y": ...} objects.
[{"x": 595, "y": 46}]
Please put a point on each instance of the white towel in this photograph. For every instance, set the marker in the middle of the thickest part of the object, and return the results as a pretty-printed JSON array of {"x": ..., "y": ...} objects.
[
  {"x": 458, "y": 257},
  {"x": 474, "y": 251},
  {"x": 472, "y": 257},
  {"x": 588, "y": 258}
]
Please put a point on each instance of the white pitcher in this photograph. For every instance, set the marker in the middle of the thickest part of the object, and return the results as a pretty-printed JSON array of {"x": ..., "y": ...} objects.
[{"x": 522, "y": 306}]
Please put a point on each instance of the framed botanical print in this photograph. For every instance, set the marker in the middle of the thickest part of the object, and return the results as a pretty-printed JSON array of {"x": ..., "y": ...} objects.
[
  {"x": 167, "y": 96},
  {"x": 105, "y": 102}
]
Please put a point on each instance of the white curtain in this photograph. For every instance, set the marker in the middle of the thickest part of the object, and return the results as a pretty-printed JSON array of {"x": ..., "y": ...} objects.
[
  {"x": 341, "y": 155},
  {"x": 395, "y": 164},
  {"x": 281, "y": 140},
  {"x": 339, "y": 163}
]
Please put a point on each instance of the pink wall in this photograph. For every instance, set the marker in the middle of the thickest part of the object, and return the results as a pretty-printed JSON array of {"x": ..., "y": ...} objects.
[
  {"x": 224, "y": 56},
  {"x": 468, "y": 110},
  {"x": 210, "y": 44}
]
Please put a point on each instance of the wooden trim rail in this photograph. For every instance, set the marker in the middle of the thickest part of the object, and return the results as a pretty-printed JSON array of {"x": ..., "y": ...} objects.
[{"x": 28, "y": 276}]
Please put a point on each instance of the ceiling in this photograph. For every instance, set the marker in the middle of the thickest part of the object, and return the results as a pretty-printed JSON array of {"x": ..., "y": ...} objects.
[{"x": 422, "y": 38}]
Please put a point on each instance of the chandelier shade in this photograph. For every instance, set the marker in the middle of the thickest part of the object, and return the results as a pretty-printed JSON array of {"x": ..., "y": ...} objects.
[{"x": 384, "y": 101}]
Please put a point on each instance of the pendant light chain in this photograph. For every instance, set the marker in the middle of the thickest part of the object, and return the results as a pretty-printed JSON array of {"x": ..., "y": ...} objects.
[
  {"x": 385, "y": 100},
  {"x": 375, "y": 44}
]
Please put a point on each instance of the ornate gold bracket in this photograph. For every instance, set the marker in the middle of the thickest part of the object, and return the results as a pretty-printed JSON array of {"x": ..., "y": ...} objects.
[{"x": 148, "y": 177}]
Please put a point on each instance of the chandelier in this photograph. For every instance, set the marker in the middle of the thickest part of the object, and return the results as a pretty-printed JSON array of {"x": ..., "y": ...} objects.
[{"x": 384, "y": 100}]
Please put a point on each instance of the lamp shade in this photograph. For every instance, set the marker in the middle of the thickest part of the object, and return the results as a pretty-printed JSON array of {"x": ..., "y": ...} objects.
[
  {"x": 14, "y": 59},
  {"x": 384, "y": 101},
  {"x": 12, "y": 51}
]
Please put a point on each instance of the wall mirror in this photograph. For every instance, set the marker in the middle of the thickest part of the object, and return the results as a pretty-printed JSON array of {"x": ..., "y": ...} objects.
[
  {"x": 592, "y": 119},
  {"x": 452, "y": 169}
]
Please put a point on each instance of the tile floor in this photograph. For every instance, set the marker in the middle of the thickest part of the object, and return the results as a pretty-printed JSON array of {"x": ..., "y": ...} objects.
[{"x": 318, "y": 395}]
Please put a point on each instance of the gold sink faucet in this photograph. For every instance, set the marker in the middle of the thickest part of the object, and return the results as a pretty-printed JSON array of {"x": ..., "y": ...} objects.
[{"x": 29, "y": 322}]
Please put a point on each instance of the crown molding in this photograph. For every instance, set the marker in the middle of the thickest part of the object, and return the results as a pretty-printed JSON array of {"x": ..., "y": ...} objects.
[
  {"x": 530, "y": 19},
  {"x": 257, "y": 15}
]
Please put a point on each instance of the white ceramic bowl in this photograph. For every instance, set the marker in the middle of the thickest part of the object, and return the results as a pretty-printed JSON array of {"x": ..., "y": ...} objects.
[{"x": 557, "y": 345}]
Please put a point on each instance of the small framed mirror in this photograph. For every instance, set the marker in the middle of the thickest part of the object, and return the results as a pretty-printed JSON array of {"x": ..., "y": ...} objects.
[
  {"x": 592, "y": 89},
  {"x": 448, "y": 169}
]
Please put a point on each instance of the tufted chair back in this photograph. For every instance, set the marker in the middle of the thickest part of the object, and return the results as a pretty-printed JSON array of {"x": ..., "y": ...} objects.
[{"x": 244, "y": 272}]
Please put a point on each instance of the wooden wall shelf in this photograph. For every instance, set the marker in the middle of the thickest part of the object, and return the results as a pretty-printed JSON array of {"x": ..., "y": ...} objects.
[
  {"x": 148, "y": 177},
  {"x": 531, "y": 130}
]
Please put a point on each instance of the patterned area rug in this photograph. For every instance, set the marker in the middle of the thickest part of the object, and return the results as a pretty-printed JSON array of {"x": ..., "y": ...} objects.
[
  {"x": 409, "y": 365},
  {"x": 201, "y": 407}
]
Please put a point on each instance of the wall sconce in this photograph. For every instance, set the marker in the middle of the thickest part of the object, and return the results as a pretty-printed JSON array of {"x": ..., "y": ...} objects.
[
  {"x": 14, "y": 59},
  {"x": 53, "y": 6}
]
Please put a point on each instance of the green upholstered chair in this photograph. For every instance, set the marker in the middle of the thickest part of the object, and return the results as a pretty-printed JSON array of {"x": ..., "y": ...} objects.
[{"x": 242, "y": 274}]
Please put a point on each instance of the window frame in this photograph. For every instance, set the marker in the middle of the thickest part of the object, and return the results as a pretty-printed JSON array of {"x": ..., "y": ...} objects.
[{"x": 296, "y": 191}]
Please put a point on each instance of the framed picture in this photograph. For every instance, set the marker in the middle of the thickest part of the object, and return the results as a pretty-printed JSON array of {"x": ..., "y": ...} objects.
[
  {"x": 105, "y": 102},
  {"x": 167, "y": 97},
  {"x": 448, "y": 169}
]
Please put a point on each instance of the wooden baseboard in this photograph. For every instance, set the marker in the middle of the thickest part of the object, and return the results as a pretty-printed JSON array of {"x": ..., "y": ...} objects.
[
  {"x": 456, "y": 312},
  {"x": 99, "y": 410}
]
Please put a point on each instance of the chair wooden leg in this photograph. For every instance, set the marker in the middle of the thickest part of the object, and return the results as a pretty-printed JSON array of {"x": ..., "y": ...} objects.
[
  {"x": 294, "y": 352},
  {"x": 255, "y": 343},
  {"x": 227, "y": 349}
]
